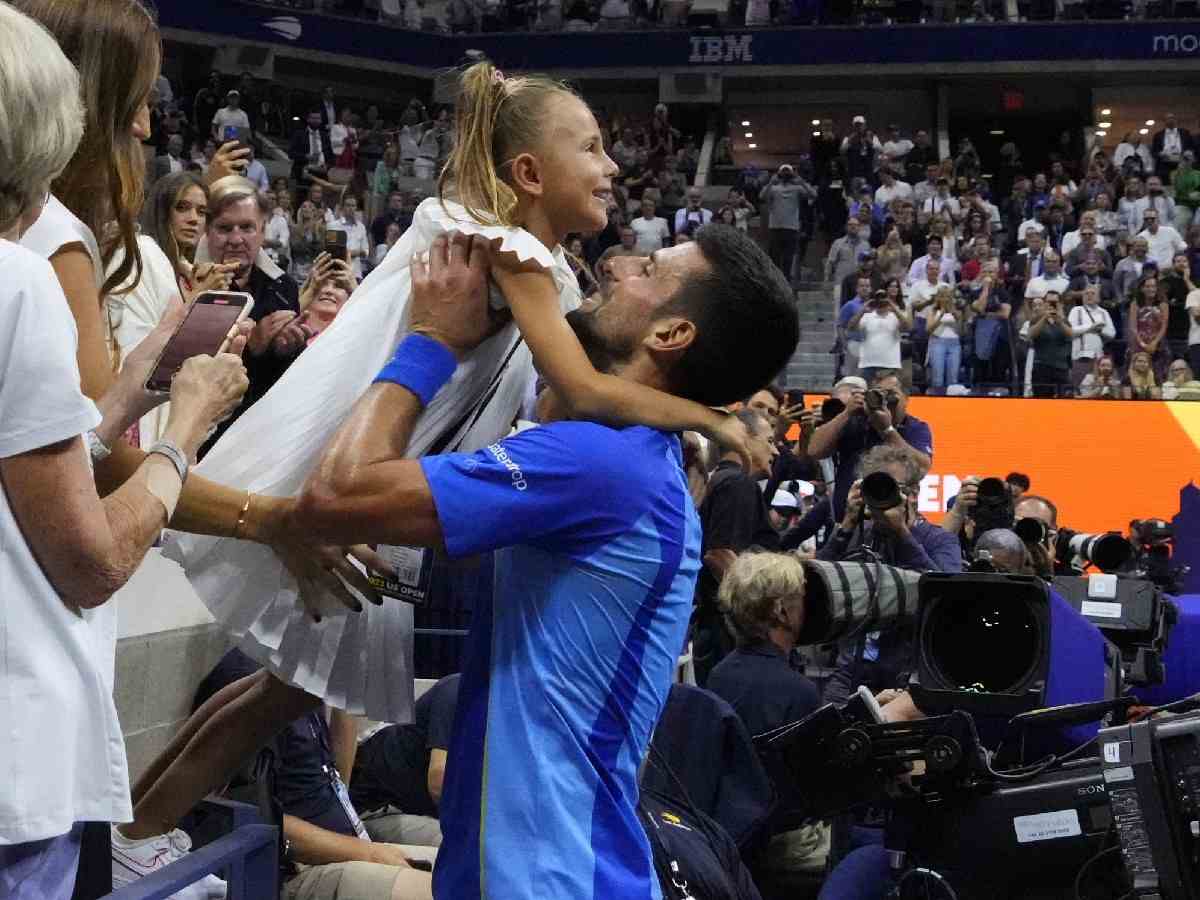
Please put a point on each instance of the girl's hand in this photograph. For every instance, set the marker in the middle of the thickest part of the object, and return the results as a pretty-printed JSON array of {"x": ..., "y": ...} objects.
[
  {"x": 732, "y": 436},
  {"x": 230, "y": 159}
]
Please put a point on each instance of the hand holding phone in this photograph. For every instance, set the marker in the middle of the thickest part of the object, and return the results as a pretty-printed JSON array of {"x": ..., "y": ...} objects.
[{"x": 210, "y": 323}]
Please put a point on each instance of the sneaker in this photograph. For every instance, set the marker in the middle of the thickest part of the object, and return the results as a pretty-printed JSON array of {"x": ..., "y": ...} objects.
[{"x": 134, "y": 859}]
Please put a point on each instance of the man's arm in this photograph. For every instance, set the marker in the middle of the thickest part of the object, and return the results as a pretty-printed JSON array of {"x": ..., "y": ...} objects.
[
  {"x": 436, "y": 774},
  {"x": 343, "y": 739},
  {"x": 313, "y": 845}
]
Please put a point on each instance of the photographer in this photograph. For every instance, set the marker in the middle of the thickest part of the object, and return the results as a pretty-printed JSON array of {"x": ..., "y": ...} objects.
[
  {"x": 1001, "y": 550},
  {"x": 1043, "y": 552},
  {"x": 895, "y": 535},
  {"x": 1050, "y": 339},
  {"x": 881, "y": 322},
  {"x": 857, "y": 429}
]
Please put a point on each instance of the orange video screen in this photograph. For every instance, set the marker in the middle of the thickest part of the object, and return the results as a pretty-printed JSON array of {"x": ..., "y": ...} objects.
[{"x": 1103, "y": 463}]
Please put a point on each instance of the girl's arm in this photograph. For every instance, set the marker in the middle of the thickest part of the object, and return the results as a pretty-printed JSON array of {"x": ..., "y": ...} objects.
[{"x": 586, "y": 393}]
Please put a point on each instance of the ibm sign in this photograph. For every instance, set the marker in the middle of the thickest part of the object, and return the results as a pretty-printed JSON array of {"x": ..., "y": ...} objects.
[{"x": 729, "y": 48}]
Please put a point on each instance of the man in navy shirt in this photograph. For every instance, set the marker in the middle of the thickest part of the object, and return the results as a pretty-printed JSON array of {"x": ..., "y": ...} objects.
[
  {"x": 856, "y": 430},
  {"x": 597, "y": 551}
]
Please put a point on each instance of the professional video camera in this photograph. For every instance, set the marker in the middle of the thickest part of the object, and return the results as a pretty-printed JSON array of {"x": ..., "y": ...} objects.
[{"x": 1152, "y": 540}]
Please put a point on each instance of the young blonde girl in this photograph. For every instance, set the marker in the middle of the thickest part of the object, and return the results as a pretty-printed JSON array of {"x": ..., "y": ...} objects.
[{"x": 529, "y": 168}]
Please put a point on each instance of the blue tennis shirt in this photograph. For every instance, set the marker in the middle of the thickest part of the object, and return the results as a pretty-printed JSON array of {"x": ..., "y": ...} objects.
[{"x": 568, "y": 667}]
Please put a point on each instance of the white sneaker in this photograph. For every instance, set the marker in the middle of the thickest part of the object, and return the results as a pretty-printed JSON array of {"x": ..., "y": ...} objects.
[{"x": 134, "y": 859}]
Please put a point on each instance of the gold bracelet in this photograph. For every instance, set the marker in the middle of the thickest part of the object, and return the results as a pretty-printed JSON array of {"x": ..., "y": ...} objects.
[{"x": 241, "y": 519}]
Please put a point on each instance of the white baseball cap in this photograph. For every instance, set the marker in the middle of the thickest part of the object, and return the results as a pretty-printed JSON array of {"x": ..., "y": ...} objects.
[
  {"x": 785, "y": 499},
  {"x": 859, "y": 120}
]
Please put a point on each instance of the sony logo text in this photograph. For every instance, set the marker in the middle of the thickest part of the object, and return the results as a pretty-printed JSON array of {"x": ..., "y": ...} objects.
[{"x": 727, "y": 48}]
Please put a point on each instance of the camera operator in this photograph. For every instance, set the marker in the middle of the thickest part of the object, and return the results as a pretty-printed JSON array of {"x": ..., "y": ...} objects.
[
  {"x": 1043, "y": 552},
  {"x": 898, "y": 536},
  {"x": 858, "y": 428},
  {"x": 733, "y": 517}
]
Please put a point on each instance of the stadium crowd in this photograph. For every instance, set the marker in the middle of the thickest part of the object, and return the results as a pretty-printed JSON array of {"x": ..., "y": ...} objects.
[{"x": 122, "y": 203}]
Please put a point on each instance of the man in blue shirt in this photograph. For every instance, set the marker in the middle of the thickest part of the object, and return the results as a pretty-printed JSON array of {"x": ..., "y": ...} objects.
[
  {"x": 852, "y": 340},
  {"x": 597, "y": 551}
]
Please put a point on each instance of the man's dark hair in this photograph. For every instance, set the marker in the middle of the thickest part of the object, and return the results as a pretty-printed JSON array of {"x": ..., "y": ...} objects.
[
  {"x": 745, "y": 315},
  {"x": 753, "y": 419},
  {"x": 774, "y": 390},
  {"x": 884, "y": 374},
  {"x": 933, "y": 238},
  {"x": 1020, "y": 479}
]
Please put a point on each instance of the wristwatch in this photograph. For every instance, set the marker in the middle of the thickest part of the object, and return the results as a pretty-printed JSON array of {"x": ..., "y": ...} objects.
[
  {"x": 888, "y": 430},
  {"x": 172, "y": 452},
  {"x": 96, "y": 447}
]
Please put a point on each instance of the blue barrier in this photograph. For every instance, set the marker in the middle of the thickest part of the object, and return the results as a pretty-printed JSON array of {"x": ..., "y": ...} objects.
[
  {"x": 1149, "y": 41},
  {"x": 248, "y": 854}
]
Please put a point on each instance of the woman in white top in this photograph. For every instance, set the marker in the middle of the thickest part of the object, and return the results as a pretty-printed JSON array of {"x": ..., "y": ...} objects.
[
  {"x": 881, "y": 322},
  {"x": 944, "y": 326},
  {"x": 1092, "y": 326},
  {"x": 66, "y": 550},
  {"x": 343, "y": 139}
]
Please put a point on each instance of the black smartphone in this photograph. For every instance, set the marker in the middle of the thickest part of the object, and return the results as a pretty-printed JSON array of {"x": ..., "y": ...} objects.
[
  {"x": 335, "y": 244},
  {"x": 205, "y": 330}
]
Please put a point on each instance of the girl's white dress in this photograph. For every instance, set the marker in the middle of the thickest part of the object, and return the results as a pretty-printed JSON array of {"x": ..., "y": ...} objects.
[{"x": 359, "y": 662}]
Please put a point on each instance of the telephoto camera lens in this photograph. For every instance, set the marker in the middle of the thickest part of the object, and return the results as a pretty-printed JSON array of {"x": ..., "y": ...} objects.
[
  {"x": 880, "y": 491},
  {"x": 831, "y": 409},
  {"x": 875, "y": 400},
  {"x": 1031, "y": 531}
]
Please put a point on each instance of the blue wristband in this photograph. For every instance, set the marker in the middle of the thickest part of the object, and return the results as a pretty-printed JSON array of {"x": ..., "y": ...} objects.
[{"x": 422, "y": 365}]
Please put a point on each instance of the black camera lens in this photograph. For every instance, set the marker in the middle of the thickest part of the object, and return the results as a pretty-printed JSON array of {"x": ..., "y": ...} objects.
[
  {"x": 992, "y": 489},
  {"x": 1031, "y": 531},
  {"x": 832, "y": 408},
  {"x": 982, "y": 643},
  {"x": 880, "y": 491},
  {"x": 874, "y": 399}
]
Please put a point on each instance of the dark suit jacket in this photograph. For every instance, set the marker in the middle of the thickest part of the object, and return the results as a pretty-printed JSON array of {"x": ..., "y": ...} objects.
[
  {"x": 298, "y": 151},
  {"x": 1185, "y": 141}
]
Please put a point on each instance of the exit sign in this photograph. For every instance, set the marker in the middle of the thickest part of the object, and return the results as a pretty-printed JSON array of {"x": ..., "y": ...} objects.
[{"x": 1012, "y": 100}]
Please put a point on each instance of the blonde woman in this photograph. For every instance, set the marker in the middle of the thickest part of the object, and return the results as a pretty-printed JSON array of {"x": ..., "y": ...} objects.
[
  {"x": 1140, "y": 383},
  {"x": 944, "y": 323}
]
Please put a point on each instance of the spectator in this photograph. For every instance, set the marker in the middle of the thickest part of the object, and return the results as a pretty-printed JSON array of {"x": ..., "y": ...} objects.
[
  {"x": 1149, "y": 315},
  {"x": 945, "y": 329},
  {"x": 308, "y": 240},
  {"x": 583, "y": 274},
  {"x": 385, "y": 179},
  {"x": 1180, "y": 383},
  {"x": 1050, "y": 340},
  {"x": 784, "y": 196},
  {"x": 1154, "y": 201},
  {"x": 1038, "y": 217},
  {"x": 1103, "y": 382},
  {"x": 343, "y": 140},
  {"x": 1129, "y": 216},
  {"x": 230, "y": 122},
  {"x": 1018, "y": 484},
  {"x": 1140, "y": 383},
  {"x": 326, "y": 291},
  {"x": 67, "y": 550},
  {"x": 207, "y": 102},
  {"x": 881, "y": 323},
  {"x": 256, "y": 172},
  {"x": 898, "y": 536},
  {"x": 1051, "y": 279},
  {"x": 1168, "y": 147},
  {"x": 396, "y": 214},
  {"x": 1163, "y": 240},
  {"x": 849, "y": 338},
  {"x": 236, "y": 229},
  {"x": 890, "y": 189},
  {"x": 390, "y": 237},
  {"x": 993, "y": 348},
  {"x": 1185, "y": 181},
  {"x": 1028, "y": 262},
  {"x": 328, "y": 109},
  {"x": 1130, "y": 269},
  {"x": 861, "y": 149},
  {"x": 357, "y": 246},
  {"x": 919, "y": 270},
  {"x": 399, "y": 771},
  {"x": 1175, "y": 285},
  {"x": 310, "y": 151},
  {"x": 1133, "y": 147},
  {"x": 856, "y": 430},
  {"x": 172, "y": 161},
  {"x": 1056, "y": 228},
  {"x": 627, "y": 247},
  {"x": 321, "y": 831},
  {"x": 277, "y": 240},
  {"x": 742, "y": 208},
  {"x": 894, "y": 256},
  {"x": 1084, "y": 242},
  {"x": 940, "y": 202},
  {"x": 1091, "y": 327},
  {"x": 866, "y": 267},
  {"x": 1107, "y": 221},
  {"x": 693, "y": 214},
  {"x": 1090, "y": 275},
  {"x": 733, "y": 517},
  {"x": 651, "y": 231},
  {"x": 844, "y": 254}
]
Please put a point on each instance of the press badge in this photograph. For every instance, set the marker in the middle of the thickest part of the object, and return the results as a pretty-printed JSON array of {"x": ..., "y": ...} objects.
[
  {"x": 343, "y": 795},
  {"x": 414, "y": 573}
]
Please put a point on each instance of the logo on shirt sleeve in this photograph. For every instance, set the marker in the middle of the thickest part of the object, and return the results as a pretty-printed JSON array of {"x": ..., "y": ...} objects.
[{"x": 513, "y": 467}]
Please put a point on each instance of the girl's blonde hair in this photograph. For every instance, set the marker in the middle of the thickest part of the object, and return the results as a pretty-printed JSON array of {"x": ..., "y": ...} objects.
[
  {"x": 1142, "y": 382},
  {"x": 496, "y": 119}
]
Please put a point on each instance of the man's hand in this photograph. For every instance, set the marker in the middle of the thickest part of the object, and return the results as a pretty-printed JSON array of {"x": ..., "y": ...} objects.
[
  {"x": 880, "y": 419},
  {"x": 230, "y": 159},
  {"x": 449, "y": 293},
  {"x": 892, "y": 522},
  {"x": 389, "y": 855},
  {"x": 968, "y": 495},
  {"x": 857, "y": 403},
  {"x": 267, "y": 328},
  {"x": 291, "y": 339},
  {"x": 197, "y": 279},
  {"x": 854, "y": 507}
]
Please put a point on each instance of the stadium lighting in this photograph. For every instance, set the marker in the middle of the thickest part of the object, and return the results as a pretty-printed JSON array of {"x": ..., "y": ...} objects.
[
  {"x": 1150, "y": 122},
  {"x": 1106, "y": 124},
  {"x": 816, "y": 134},
  {"x": 996, "y": 132},
  {"x": 745, "y": 123},
  {"x": 1101, "y": 134},
  {"x": 1143, "y": 131},
  {"x": 1106, "y": 112},
  {"x": 816, "y": 121},
  {"x": 749, "y": 134},
  {"x": 753, "y": 146}
]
